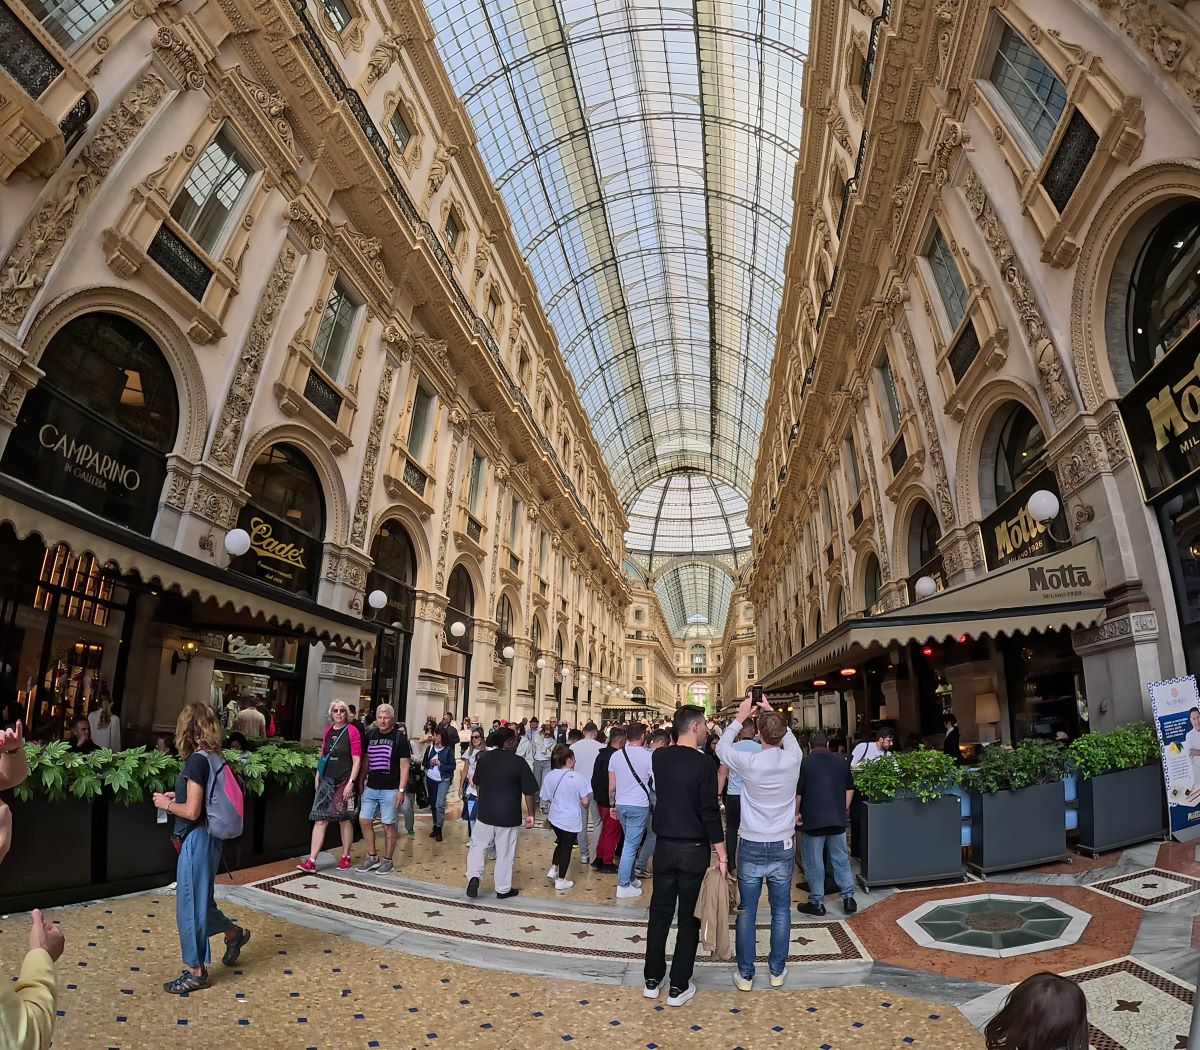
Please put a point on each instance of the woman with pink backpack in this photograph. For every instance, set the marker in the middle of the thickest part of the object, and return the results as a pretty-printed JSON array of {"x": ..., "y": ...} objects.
[{"x": 206, "y": 805}]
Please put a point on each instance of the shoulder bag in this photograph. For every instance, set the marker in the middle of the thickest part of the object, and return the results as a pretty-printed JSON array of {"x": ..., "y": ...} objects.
[
  {"x": 545, "y": 803},
  {"x": 649, "y": 800}
]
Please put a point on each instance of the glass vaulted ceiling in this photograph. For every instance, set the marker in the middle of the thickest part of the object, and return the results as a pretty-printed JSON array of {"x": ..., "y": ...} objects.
[{"x": 645, "y": 152}]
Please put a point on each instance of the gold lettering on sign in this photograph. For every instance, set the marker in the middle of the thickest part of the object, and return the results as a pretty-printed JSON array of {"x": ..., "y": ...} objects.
[
  {"x": 265, "y": 546},
  {"x": 1017, "y": 533}
]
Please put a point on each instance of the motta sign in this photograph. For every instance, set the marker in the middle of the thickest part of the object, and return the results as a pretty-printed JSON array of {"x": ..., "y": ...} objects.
[
  {"x": 1061, "y": 580},
  {"x": 67, "y": 452},
  {"x": 1010, "y": 533},
  {"x": 1162, "y": 419},
  {"x": 279, "y": 554}
]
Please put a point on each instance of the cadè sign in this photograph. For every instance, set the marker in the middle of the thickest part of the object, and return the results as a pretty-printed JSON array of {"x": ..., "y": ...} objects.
[{"x": 279, "y": 554}]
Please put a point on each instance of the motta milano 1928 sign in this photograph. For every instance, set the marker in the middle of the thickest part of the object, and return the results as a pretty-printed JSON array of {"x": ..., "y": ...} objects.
[{"x": 1162, "y": 419}]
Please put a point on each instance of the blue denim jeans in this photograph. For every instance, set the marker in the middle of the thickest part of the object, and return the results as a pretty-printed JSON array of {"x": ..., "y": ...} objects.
[
  {"x": 812, "y": 856},
  {"x": 634, "y": 821},
  {"x": 773, "y": 862},
  {"x": 438, "y": 790},
  {"x": 196, "y": 912}
]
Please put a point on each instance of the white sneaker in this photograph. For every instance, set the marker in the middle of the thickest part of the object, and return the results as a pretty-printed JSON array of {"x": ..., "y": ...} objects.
[
  {"x": 636, "y": 883},
  {"x": 675, "y": 998},
  {"x": 777, "y": 979},
  {"x": 563, "y": 884},
  {"x": 652, "y": 989},
  {"x": 629, "y": 891},
  {"x": 743, "y": 984},
  {"x": 552, "y": 873}
]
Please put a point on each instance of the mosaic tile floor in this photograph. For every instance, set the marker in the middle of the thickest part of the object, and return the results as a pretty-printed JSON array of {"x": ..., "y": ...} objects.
[
  {"x": 995, "y": 925},
  {"x": 1130, "y": 1004},
  {"x": 297, "y": 988},
  {"x": 1149, "y": 887}
]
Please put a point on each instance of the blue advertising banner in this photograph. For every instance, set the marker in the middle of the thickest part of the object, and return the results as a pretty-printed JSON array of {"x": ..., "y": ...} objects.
[{"x": 1176, "y": 707}]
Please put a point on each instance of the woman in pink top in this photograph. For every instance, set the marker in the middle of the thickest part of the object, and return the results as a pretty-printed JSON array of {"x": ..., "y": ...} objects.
[{"x": 337, "y": 773}]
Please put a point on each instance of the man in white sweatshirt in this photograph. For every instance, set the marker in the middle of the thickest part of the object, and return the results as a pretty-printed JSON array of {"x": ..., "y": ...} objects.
[{"x": 767, "y": 851}]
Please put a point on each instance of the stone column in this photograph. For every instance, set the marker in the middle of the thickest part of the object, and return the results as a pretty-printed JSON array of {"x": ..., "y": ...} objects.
[
  {"x": 522, "y": 703},
  {"x": 1119, "y": 657},
  {"x": 484, "y": 699},
  {"x": 427, "y": 687}
]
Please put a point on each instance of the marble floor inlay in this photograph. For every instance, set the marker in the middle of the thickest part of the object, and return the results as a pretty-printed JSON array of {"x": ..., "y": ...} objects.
[
  {"x": 1149, "y": 887},
  {"x": 995, "y": 925},
  {"x": 528, "y": 928},
  {"x": 1131, "y": 1005}
]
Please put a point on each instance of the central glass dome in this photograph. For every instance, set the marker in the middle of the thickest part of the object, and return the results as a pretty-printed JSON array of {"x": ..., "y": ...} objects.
[{"x": 687, "y": 514}]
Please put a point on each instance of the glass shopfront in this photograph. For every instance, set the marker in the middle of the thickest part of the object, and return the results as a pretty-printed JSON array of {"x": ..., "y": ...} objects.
[{"x": 395, "y": 573}]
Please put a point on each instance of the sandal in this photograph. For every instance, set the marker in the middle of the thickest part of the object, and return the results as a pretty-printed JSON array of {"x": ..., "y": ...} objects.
[
  {"x": 187, "y": 982},
  {"x": 234, "y": 948}
]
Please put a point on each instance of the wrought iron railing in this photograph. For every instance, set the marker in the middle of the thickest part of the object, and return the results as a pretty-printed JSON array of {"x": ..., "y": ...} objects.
[
  {"x": 76, "y": 119},
  {"x": 474, "y": 529},
  {"x": 898, "y": 456},
  {"x": 964, "y": 351},
  {"x": 1074, "y": 153},
  {"x": 179, "y": 262},
  {"x": 414, "y": 477},
  {"x": 24, "y": 57},
  {"x": 321, "y": 394}
]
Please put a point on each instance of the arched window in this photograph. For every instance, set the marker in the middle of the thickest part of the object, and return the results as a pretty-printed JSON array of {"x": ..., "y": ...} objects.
[
  {"x": 461, "y": 608},
  {"x": 1020, "y": 453},
  {"x": 872, "y": 584},
  {"x": 283, "y": 482},
  {"x": 394, "y": 572},
  {"x": 504, "y": 616},
  {"x": 923, "y": 536},
  {"x": 699, "y": 658},
  {"x": 1164, "y": 288}
]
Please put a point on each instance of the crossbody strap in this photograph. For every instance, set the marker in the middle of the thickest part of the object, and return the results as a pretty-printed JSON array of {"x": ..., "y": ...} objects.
[{"x": 637, "y": 778}]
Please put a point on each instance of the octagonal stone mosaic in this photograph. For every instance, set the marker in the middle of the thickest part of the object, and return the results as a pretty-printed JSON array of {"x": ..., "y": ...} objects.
[{"x": 995, "y": 925}]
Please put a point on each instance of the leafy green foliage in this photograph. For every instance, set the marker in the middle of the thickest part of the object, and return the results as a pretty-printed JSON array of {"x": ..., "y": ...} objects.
[
  {"x": 56, "y": 772},
  {"x": 1125, "y": 747},
  {"x": 921, "y": 774},
  {"x": 1010, "y": 769}
]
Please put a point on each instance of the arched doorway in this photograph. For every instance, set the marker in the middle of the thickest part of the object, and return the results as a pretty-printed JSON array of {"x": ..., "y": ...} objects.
[
  {"x": 393, "y": 571},
  {"x": 924, "y": 558},
  {"x": 95, "y": 433},
  {"x": 872, "y": 585},
  {"x": 460, "y": 609}
]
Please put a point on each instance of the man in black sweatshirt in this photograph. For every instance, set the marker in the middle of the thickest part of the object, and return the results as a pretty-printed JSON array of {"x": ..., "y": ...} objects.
[{"x": 687, "y": 821}]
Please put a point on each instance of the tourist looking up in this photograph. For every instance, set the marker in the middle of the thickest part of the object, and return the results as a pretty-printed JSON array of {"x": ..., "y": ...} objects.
[
  {"x": 106, "y": 726},
  {"x": 566, "y": 795},
  {"x": 733, "y": 790},
  {"x": 687, "y": 822},
  {"x": 438, "y": 762},
  {"x": 337, "y": 774},
  {"x": 502, "y": 780},
  {"x": 610, "y": 828},
  {"x": 629, "y": 776},
  {"x": 768, "y": 835},
  {"x": 198, "y": 739},
  {"x": 824, "y": 791},
  {"x": 383, "y": 792},
  {"x": 585, "y": 751}
]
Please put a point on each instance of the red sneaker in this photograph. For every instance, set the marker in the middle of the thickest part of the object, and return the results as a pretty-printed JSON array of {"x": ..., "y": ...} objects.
[
  {"x": 344, "y": 863},
  {"x": 308, "y": 864}
]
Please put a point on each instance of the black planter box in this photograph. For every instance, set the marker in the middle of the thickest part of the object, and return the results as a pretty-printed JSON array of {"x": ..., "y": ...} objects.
[
  {"x": 907, "y": 840},
  {"x": 283, "y": 823},
  {"x": 1121, "y": 808},
  {"x": 51, "y": 851},
  {"x": 138, "y": 847},
  {"x": 1018, "y": 829}
]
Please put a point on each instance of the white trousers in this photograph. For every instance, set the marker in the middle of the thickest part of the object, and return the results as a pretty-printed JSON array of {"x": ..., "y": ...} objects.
[{"x": 505, "y": 842}]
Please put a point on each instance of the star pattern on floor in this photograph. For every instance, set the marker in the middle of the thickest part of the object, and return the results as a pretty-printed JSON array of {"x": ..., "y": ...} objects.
[
  {"x": 1132, "y": 1006},
  {"x": 1148, "y": 888}
]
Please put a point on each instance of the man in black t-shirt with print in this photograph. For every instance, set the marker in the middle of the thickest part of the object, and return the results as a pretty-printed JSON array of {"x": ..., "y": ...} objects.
[
  {"x": 502, "y": 777},
  {"x": 382, "y": 794}
]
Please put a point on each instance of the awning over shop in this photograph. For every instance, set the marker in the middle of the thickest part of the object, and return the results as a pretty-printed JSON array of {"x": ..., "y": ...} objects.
[
  {"x": 1062, "y": 589},
  {"x": 173, "y": 571}
]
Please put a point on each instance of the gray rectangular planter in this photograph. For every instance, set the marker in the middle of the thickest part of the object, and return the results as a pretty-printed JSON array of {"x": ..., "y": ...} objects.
[
  {"x": 907, "y": 840},
  {"x": 1121, "y": 808},
  {"x": 1018, "y": 829}
]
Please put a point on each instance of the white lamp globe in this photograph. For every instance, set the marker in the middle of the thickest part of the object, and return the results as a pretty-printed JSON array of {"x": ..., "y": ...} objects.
[
  {"x": 458, "y": 628},
  {"x": 566, "y": 672},
  {"x": 509, "y": 652},
  {"x": 237, "y": 542},
  {"x": 541, "y": 663},
  {"x": 1043, "y": 506},
  {"x": 583, "y": 678},
  {"x": 377, "y": 599},
  {"x": 925, "y": 586}
]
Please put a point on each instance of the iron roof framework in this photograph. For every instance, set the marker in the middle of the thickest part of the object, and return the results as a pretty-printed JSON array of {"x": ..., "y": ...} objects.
[{"x": 645, "y": 153}]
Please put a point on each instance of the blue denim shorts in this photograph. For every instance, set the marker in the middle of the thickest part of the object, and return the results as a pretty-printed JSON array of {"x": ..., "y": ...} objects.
[{"x": 378, "y": 801}]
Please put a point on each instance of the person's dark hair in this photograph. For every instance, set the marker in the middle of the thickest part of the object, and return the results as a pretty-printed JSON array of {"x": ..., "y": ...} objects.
[
  {"x": 574, "y": 735},
  {"x": 950, "y": 720},
  {"x": 439, "y": 734},
  {"x": 771, "y": 727},
  {"x": 591, "y": 727},
  {"x": 885, "y": 733},
  {"x": 559, "y": 756},
  {"x": 82, "y": 721},
  {"x": 1194, "y": 710},
  {"x": 504, "y": 735},
  {"x": 617, "y": 733},
  {"x": 236, "y": 741},
  {"x": 493, "y": 739},
  {"x": 659, "y": 736},
  {"x": 818, "y": 739},
  {"x": 1043, "y": 1012},
  {"x": 635, "y": 732},
  {"x": 685, "y": 720}
]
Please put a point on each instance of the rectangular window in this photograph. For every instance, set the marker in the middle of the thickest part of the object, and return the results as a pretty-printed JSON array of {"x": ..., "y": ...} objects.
[
  {"x": 543, "y": 543},
  {"x": 749, "y": 666},
  {"x": 335, "y": 331},
  {"x": 69, "y": 20},
  {"x": 419, "y": 424},
  {"x": 452, "y": 232},
  {"x": 339, "y": 14},
  {"x": 475, "y": 488},
  {"x": 514, "y": 524},
  {"x": 826, "y": 512},
  {"x": 637, "y": 615},
  {"x": 211, "y": 192},
  {"x": 891, "y": 397},
  {"x": 639, "y": 668},
  {"x": 853, "y": 478},
  {"x": 1028, "y": 86},
  {"x": 401, "y": 132},
  {"x": 951, "y": 289},
  {"x": 493, "y": 308}
]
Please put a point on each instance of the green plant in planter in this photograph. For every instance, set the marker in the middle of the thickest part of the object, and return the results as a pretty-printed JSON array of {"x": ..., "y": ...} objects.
[
  {"x": 922, "y": 774},
  {"x": 1126, "y": 747},
  {"x": 1031, "y": 762}
]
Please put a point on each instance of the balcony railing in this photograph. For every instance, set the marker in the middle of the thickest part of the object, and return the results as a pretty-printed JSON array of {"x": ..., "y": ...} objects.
[
  {"x": 322, "y": 395},
  {"x": 180, "y": 262},
  {"x": 1074, "y": 153},
  {"x": 414, "y": 477},
  {"x": 24, "y": 57},
  {"x": 898, "y": 456},
  {"x": 964, "y": 351}
]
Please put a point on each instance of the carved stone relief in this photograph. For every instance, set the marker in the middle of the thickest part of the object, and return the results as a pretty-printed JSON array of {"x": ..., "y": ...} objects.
[
  {"x": 362, "y": 505},
  {"x": 945, "y": 500}
]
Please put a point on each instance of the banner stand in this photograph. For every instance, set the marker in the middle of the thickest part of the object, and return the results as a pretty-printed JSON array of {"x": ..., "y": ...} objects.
[{"x": 1176, "y": 708}]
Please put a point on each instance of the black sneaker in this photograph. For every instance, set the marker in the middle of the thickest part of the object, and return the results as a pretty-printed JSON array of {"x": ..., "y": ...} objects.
[
  {"x": 473, "y": 888},
  {"x": 811, "y": 909},
  {"x": 652, "y": 989},
  {"x": 507, "y": 893},
  {"x": 597, "y": 864},
  {"x": 849, "y": 905},
  {"x": 234, "y": 948}
]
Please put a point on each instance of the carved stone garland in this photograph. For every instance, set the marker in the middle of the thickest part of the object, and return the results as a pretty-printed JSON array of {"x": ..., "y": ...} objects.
[
  {"x": 362, "y": 505},
  {"x": 236, "y": 409},
  {"x": 1041, "y": 345},
  {"x": 41, "y": 241},
  {"x": 444, "y": 538},
  {"x": 881, "y": 551},
  {"x": 937, "y": 460}
]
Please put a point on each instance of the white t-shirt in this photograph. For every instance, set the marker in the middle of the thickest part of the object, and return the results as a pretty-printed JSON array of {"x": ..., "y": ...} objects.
[
  {"x": 864, "y": 753},
  {"x": 585, "y": 752},
  {"x": 108, "y": 736},
  {"x": 629, "y": 791},
  {"x": 566, "y": 789},
  {"x": 1192, "y": 740}
]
